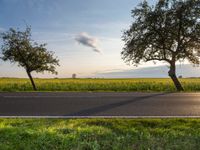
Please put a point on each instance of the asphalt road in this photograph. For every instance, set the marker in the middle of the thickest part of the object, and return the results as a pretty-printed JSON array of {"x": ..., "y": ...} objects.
[{"x": 99, "y": 104}]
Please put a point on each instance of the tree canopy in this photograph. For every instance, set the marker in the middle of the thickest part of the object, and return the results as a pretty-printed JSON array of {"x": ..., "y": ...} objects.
[
  {"x": 167, "y": 31},
  {"x": 19, "y": 48}
]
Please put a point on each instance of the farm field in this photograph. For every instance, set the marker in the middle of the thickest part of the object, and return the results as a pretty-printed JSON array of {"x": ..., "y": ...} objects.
[
  {"x": 98, "y": 85},
  {"x": 99, "y": 134}
]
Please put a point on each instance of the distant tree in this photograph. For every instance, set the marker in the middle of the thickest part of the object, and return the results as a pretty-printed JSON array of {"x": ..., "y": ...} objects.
[
  {"x": 74, "y": 76},
  {"x": 19, "y": 48},
  {"x": 180, "y": 77},
  {"x": 169, "y": 31}
]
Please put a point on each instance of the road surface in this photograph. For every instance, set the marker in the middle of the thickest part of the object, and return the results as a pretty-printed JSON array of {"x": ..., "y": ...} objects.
[{"x": 69, "y": 104}]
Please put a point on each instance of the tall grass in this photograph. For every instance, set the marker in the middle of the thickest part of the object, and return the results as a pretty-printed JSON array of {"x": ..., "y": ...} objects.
[{"x": 116, "y": 85}]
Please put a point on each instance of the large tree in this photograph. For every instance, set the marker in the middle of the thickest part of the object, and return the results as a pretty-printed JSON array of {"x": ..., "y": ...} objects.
[
  {"x": 19, "y": 48},
  {"x": 168, "y": 31}
]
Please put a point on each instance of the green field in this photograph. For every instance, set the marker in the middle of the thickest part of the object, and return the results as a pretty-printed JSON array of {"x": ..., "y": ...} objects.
[
  {"x": 116, "y": 85},
  {"x": 99, "y": 134}
]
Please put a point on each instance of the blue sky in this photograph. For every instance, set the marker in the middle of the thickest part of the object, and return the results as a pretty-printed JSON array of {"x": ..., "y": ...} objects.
[{"x": 59, "y": 22}]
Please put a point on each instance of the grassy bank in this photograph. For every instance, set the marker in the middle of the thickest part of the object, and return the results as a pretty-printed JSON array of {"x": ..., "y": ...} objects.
[
  {"x": 99, "y": 134},
  {"x": 123, "y": 85}
]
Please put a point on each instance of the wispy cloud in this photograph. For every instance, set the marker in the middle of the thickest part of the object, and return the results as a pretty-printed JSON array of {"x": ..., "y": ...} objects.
[
  {"x": 2, "y": 29},
  {"x": 89, "y": 41},
  {"x": 53, "y": 36},
  {"x": 185, "y": 70}
]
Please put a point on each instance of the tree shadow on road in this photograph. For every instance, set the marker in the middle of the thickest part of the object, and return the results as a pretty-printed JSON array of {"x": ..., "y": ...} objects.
[{"x": 95, "y": 110}]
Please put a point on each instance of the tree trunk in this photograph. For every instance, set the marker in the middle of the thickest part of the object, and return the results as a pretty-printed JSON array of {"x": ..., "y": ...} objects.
[
  {"x": 172, "y": 74},
  {"x": 32, "y": 81}
]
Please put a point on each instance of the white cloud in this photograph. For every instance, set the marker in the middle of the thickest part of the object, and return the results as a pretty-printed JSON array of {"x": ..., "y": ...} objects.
[{"x": 89, "y": 41}]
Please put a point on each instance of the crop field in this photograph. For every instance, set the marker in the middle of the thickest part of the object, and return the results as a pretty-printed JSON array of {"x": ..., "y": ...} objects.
[
  {"x": 99, "y": 134},
  {"x": 109, "y": 85},
  {"x": 116, "y": 85}
]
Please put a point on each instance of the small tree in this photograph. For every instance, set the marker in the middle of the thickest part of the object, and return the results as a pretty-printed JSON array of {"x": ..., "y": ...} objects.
[
  {"x": 168, "y": 31},
  {"x": 19, "y": 48},
  {"x": 74, "y": 76}
]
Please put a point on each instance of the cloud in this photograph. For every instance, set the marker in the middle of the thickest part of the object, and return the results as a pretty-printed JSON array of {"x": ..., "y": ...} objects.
[
  {"x": 89, "y": 41},
  {"x": 2, "y": 29},
  {"x": 186, "y": 70}
]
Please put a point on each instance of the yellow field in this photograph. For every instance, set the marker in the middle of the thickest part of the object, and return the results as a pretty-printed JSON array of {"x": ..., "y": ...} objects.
[{"x": 139, "y": 84}]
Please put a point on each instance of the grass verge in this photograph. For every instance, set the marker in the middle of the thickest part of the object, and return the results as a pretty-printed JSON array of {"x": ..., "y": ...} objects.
[{"x": 99, "y": 134}]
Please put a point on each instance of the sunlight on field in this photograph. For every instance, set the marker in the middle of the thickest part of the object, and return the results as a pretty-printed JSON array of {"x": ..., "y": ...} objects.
[
  {"x": 99, "y": 134},
  {"x": 14, "y": 84}
]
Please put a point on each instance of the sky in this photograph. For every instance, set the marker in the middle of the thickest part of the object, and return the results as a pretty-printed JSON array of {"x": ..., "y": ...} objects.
[{"x": 84, "y": 34}]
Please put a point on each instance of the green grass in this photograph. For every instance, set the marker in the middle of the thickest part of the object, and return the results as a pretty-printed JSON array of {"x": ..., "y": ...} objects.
[
  {"x": 114, "y": 85},
  {"x": 99, "y": 134}
]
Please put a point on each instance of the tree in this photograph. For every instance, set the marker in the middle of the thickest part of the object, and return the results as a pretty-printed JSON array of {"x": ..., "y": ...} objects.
[
  {"x": 168, "y": 31},
  {"x": 19, "y": 48}
]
